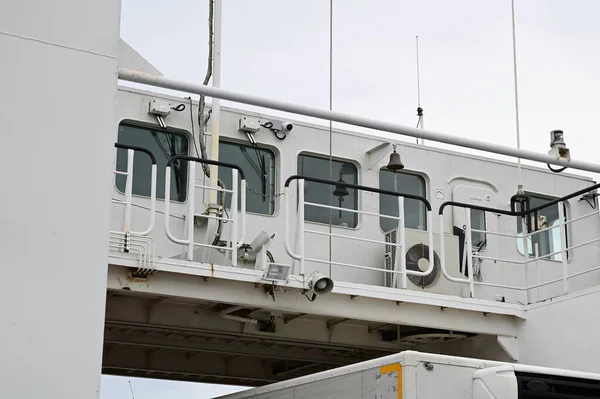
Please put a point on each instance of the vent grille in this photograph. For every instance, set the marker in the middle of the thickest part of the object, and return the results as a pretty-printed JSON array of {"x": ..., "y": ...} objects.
[
  {"x": 544, "y": 386},
  {"x": 413, "y": 255},
  {"x": 390, "y": 257}
]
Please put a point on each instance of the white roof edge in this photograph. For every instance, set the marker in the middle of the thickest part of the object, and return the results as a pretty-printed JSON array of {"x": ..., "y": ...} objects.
[
  {"x": 131, "y": 59},
  {"x": 370, "y": 136}
]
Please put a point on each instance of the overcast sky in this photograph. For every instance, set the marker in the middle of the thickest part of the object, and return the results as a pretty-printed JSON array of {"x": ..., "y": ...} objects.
[{"x": 280, "y": 49}]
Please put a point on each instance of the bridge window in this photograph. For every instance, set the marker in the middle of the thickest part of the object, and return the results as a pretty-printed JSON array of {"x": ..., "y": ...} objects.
[
  {"x": 414, "y": 210},
  {"x": 547, "y": 241},
  {"x": 477, "y": 223},
  {"x": 319, "y": 193},
  {"x": 164, "y": 145},
  {"x": 258, "y": 165}
]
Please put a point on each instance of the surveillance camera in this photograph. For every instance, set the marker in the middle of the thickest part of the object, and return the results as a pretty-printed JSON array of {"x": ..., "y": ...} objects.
[{"x": 287, "y": 127}]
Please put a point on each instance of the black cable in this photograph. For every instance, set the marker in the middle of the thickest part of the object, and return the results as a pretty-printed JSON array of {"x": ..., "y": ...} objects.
[
  {"x": 180, "y": 107},
  {"x": 193, "y": 133},
  {"x": 278, "y": 137},
  {"x": 589, "y": 203},
  {"x": 556, "y": 170}
]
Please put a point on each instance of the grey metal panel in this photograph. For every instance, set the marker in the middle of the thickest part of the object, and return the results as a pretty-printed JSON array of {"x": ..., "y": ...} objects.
[{"x": 57, "y": 131}]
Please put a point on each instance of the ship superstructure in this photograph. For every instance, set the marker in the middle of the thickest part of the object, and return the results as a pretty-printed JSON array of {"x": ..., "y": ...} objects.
[{"x": 122, "y": 255}]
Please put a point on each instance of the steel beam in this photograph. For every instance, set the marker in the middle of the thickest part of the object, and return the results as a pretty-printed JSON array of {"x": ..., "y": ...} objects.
[
  {"x": 165, "y": 343},
  {"x": 453, "y": 139},
  {"x": 332, "y": 305}
]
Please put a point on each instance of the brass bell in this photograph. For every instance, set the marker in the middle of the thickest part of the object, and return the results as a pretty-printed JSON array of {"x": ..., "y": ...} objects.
[
  {"x": 395, "y": 162},
  {"x": 340, "y": 189}
]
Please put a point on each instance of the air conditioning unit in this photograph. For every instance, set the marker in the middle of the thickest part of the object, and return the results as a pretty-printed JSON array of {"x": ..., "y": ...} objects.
[{"x": 416, "y": 252}]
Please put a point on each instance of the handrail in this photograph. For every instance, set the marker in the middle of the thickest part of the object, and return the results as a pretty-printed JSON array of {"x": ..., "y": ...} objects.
[
  {"x": 235, "y": 241},
  {"x": 512, "y": 212},
  {"x": 129, "y": 188},
  {"x": 207, "y": 161},
  {"x": 400, "y": 196},
  {"x": 358, "y": 187},
  {"x": 136, "y": 148}
]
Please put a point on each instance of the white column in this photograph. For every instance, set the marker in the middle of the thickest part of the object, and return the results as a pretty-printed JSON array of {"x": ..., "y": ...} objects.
[{"x": 59, "y": 76}]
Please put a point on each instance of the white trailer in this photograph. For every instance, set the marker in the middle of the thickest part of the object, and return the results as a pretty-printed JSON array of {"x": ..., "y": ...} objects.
[{"x": 415, "y": 375}]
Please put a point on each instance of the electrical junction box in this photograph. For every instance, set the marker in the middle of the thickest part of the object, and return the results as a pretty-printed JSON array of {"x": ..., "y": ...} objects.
[
  {"x": 249, "y": 125},
  {"x": 159, "y": 108}
]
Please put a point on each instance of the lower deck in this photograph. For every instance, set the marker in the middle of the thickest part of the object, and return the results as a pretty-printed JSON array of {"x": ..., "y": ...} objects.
[{"x": 210, "y": 328}]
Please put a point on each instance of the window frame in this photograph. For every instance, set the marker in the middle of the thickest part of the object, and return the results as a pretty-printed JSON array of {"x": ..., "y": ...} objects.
[
  {"x": 424, "y": 178},
  {"x": 485, "y": 236},
  {"x": 276, "y": 173},
  {"x": 147, "y": 125},
  {"x": 566, "y": 209},
  {"x": 358, "y": 182}
]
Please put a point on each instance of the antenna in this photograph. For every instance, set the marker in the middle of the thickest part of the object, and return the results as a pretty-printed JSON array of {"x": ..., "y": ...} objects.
[
  {"x": 131, "y": 389},
  {"x": 514, "y": 41},
  {"x": 419, "y": 109}
]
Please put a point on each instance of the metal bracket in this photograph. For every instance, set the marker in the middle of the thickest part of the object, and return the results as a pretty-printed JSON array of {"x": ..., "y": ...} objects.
[{"x": 376, "y": 154}]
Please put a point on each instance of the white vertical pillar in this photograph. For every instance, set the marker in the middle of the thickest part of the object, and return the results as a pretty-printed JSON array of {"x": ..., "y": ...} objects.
[
  {"x": 234, "y": 216},
  {"x": 563, "y": 247},
  {"x": 55, "y": 196},
  {"x": 191, "y": 198},
  {"x": 401, "y": 254},
  {"x": 216, "y": 103},
  {"x": 301, "y": 225}
]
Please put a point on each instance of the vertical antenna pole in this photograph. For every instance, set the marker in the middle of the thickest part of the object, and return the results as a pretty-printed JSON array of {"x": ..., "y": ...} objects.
[
  {"x": 514, "y": 43},
  {"x": 419, "y": 109}
]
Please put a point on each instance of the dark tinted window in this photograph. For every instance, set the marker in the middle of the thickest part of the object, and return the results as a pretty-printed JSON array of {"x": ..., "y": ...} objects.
[
  {"x": 313, "y": 166},
  {"x": 258, "y": 165},
  {"x": 163, "y": 145},
  {"x": 414, "y": 210}
]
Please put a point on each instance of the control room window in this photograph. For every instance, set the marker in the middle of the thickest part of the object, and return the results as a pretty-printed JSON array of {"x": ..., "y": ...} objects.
[
  {"x": 319, "y": 193},
  {"x": 478, "y": 223},
  {"x": 164, "y": 145},
  {"x": 549, "y": 240},
  {"x": 415, "y": 213},
  {"x": 258, "y": 165}
]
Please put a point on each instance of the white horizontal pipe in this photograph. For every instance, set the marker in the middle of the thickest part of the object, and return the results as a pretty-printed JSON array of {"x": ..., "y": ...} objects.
[
  {"x": 456, "y": 139},
  {"x": 225, "y": 314}
]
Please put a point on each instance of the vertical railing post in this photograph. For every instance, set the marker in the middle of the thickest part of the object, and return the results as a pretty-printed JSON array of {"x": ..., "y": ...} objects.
[
  {"x": 563, "y": 247},
  {"x": 301, "y": 225},
  {"x": 242, "y": 237},
  {"x": 128, "y": 191},
  {"x": 430, "y": 237},
  {"x": 190, "y": 208},
  {"x": 526, "y": 256},
  {"x": 402, "y": 250},
  {"x": 234, "y": 216},
  {"x": 468, "y": 250}
]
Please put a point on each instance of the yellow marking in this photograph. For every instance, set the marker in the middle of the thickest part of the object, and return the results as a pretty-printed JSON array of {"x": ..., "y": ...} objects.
[{"x": 390, "y": 368}]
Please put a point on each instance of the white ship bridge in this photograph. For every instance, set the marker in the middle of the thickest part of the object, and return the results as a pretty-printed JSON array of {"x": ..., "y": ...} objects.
[{"x": 307, "y": 256}]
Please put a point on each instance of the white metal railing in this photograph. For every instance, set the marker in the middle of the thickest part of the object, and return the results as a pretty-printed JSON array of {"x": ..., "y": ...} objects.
[
  {"x": 140, "y": 243},
  {"x": 525, "y": 215},
  {"x": 238, "y": 224},
  {"x": 399, "y": 245},
  {"x": 128, "y": 202}
]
